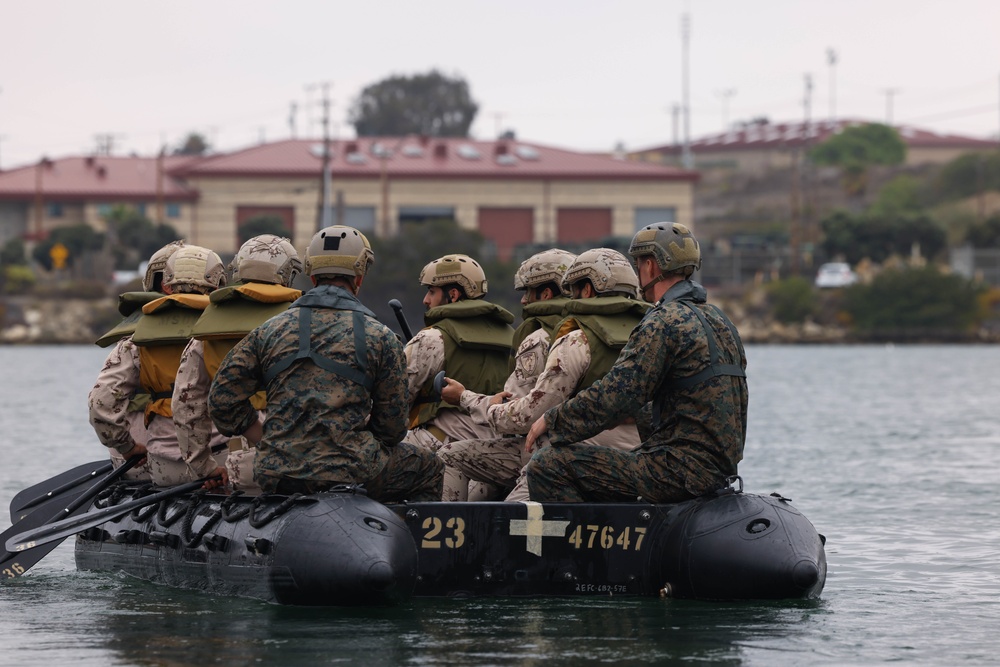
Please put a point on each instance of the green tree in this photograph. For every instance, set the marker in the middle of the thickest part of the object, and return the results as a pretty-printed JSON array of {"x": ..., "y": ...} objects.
[
  {"x": 986, "y": 234},
  {"x": 903, "y": 195},
  {"x": 915, "y": 302},
  {"x": 429, "y": 104},
  {"x": 135, "y": 237},
  {"x": 13, "y": 253},
  {"x": 78, "y": 239},
  {"x": 877, "y": 237},
  {"x": 968, "y": 175},
  {"x": 265, "y": 223},
  {"x": 793, "y": 299},
  {"x": 193, "y": 144},
  {"x": 856, "y": 149}
]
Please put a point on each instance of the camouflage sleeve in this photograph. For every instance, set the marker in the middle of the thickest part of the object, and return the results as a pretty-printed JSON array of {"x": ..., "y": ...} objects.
[
  {"x": 389, "y": 406},
  {"x": 424, "y": 359},
  {"x": 567, "y": 362},
  {"x": 617, "y": 396},
  {"x": 239, "y": 377},
  {"x": 528, "y": 363},
  {"x": 108, "y": 401},
  {"x": 190, "y": 408}
]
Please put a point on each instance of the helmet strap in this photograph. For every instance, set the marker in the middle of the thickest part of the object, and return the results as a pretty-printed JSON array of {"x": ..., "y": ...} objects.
[{"x": 645, "y": 288}]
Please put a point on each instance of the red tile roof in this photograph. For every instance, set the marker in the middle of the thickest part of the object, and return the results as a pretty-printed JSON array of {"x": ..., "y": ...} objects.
[
  {"x": 787, "y": 135},
  {"x": 97, "y": 178},
  {"x": 416, "y": 157}
]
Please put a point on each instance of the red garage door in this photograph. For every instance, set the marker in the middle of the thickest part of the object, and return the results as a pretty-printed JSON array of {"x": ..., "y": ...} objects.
[
  {"x": 507, "y": 228},
  {"x": 582, "y": 224}
]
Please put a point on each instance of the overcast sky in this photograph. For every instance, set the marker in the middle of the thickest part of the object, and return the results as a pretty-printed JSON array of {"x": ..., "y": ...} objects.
[{"x": 569, "y": 73}]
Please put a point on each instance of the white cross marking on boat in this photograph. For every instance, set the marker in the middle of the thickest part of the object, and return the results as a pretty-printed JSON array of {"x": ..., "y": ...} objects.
[{"x": 534, "y": 528}]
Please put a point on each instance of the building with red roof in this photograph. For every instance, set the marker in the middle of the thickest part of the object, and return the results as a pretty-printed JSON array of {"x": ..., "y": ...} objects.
[
  {"x": 513, "y": 192},
  {"x": 762, "y": 146}
]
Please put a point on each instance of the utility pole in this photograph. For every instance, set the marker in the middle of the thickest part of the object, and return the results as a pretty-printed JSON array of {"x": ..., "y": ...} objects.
[
  {"x": 325, "y": 218},
  {"x": 291, "y": 118},
  {"x": 687, "y": 159},
  {"x": 725, "y": 95},
  {"x": 889, "y": 93},
  {"x": 498, "y": 119},
  {"x": 105, "y": 143},
  {"x": 831, "y": 59}
]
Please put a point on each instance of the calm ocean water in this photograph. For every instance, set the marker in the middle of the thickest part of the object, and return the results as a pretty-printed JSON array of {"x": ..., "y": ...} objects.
[{"x": 892, "y": 452}]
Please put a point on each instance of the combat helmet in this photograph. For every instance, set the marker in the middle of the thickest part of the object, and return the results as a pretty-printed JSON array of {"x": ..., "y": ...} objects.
[
  {"x": 194, "y": 270},
  {"x": 153, "y": 280},
  {"x": 608, "y": 270},
  {"x": 456, "y": 269},
  {"x": 339, "y": 250},
  {"x": 267, "y": 259},
  {"x": 542, "y": 268},
  {"x": 672, "y": 245}
]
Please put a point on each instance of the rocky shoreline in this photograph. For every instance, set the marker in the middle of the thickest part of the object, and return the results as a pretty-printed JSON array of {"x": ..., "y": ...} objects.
[{"x": 51, "y": 321}]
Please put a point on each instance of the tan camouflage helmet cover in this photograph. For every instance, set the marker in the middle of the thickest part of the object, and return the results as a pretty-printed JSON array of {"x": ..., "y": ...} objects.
[
  {"x": 608, "y": 270},
  {"x": 153, "y": 280},
  {"x": 456, "y": 269},
  {"x": 339, "y": 250},
  {"x": 267, "y": 259},
  {"x": 671, "y": 243},
  {"x": 194, "y": 270},
  {"x": 544, "y": 267}
]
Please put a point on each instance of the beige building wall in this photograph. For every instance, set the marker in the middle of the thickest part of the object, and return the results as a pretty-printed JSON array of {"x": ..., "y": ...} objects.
[{"x": 214, "y": 223}]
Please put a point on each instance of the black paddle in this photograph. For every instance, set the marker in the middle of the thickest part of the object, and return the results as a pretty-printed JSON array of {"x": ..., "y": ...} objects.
[
  {"x": 397, "y": 308},
  {"x": 26, "y": 543},
  {"x": 55, "y": 488},
  {"x": 15, "y": 564}
]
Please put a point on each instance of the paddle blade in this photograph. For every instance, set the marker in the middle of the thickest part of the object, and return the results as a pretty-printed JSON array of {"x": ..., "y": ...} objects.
[{"x": 61, "y": 489}]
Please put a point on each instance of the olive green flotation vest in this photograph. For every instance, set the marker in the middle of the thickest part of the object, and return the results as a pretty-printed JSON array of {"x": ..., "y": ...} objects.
[
  {"x": 232, "y": 313},
  {"x": 477, "y": 337},
  {"x": 607, "y": 322},
  {"x": 538, "y": 315},
  {"x": 161, "y": 335},
  {"x": 130, "y": 306}
]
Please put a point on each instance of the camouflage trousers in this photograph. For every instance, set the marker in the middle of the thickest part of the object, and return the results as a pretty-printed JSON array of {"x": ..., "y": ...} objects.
[
  {"x": 497, "y": 462},
  {"x": 411, "y": 473},
  {"x": 585, "y": 473}
]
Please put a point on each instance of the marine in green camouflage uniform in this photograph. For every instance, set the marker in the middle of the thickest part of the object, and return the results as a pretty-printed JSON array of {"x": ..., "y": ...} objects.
[
  {"x": 336, "y": 388},
  {"x": 687, "y": 359}
]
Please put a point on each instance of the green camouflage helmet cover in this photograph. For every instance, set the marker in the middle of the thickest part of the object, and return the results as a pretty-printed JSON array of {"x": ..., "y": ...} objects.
[{"x": 672, "y": 245}]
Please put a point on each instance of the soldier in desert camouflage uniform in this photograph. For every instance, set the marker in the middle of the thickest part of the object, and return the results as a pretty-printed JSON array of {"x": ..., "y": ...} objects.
[
  {"x": 464, "y": 334},
  {"x": 687, "y": 358},
  {"x": 264, "y": 268},
  {"x": 336, "y": 388},
  {"x": 130, "y": 306},
  {"x": 597, "y": 323},
  {"x": 146, "y": 364}
]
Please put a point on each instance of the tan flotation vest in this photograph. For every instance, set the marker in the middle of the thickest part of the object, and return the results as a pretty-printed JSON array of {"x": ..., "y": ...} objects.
[
  {"x": 607, "y": 322},
  {"x": 477, "y": 337},
  {"x": 232, "y": 313},
  {"x": 161, "y": 335}
]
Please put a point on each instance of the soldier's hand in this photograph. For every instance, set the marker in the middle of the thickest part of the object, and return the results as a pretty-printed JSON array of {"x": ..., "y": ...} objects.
[
  {"x": 500, "y": 398},
  {"x": 138, "y": 449},
  {"x": 538, "y": 429},
  {"x": 451, "y": 391},
  {"x": 219, "y": 478}
]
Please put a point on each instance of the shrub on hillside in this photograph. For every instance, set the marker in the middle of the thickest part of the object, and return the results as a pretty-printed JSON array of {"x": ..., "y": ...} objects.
[
  {"x": 915, "y": 301},
  {"x": 793, "y": 300}
]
